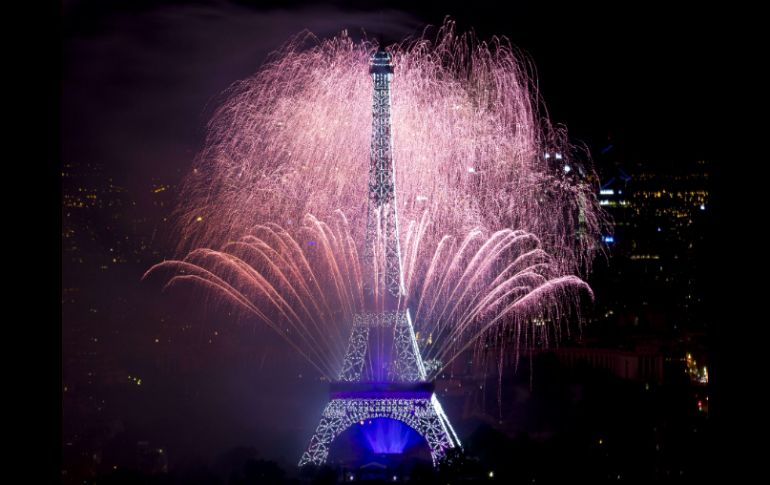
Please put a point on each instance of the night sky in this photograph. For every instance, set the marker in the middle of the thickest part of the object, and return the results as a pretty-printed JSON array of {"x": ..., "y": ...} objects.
[
  {"x": 138, "y": 75},
  {"x": 139, "y": 82}
]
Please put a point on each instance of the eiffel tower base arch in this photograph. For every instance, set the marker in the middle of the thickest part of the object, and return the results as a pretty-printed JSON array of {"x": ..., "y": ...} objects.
[{"x": 420, "y": 412}]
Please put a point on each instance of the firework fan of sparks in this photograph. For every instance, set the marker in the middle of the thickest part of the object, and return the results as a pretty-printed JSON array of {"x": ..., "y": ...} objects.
[
  {"x": 492, "y": 228},
  {"x": 307, "y": 287}
]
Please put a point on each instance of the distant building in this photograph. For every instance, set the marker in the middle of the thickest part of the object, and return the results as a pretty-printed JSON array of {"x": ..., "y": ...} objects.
[
  {"x": 654, "y": 277},
  {"x": 642, "y": 366}
]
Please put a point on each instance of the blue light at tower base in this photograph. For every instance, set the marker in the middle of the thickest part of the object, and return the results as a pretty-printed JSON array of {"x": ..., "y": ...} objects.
[{"x": 389, "y": 436}]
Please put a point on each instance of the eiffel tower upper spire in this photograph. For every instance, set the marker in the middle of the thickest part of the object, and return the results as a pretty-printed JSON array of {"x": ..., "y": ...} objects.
[{"x": 381, "y": 212}]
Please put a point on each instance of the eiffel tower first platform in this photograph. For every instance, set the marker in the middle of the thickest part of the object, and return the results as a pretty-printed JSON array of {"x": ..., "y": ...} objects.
[{"x": 383, "y": 375}]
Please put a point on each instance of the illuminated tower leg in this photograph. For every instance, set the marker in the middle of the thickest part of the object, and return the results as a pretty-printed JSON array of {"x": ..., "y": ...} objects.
[
  {"x": 407, "y": 365},
  {"x": 358, "y": 344}
]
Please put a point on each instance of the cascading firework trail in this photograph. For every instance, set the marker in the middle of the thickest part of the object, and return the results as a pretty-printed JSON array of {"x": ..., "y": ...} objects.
[{"x": 495, "y": 228}]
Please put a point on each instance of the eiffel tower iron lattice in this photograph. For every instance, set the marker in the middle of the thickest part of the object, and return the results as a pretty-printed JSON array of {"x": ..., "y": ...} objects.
[{"x": 383, "y": 375}]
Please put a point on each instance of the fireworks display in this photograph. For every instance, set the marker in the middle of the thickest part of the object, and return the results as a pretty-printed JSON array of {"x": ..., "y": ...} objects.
[{"x": 497, "y": 209}]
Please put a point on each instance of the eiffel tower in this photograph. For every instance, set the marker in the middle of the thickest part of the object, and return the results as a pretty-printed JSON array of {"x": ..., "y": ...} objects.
[{"x": 383, "y": 375}]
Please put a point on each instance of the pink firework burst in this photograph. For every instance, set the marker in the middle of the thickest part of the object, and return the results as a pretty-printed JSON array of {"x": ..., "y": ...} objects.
[
  {"x": 471, "y": 145},
  {"x": 499, "y": 208}
]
